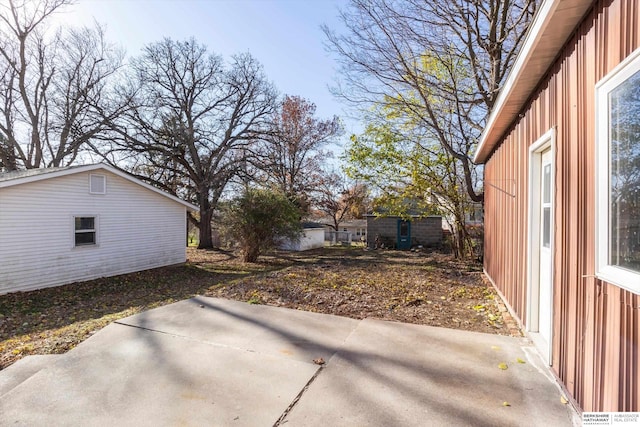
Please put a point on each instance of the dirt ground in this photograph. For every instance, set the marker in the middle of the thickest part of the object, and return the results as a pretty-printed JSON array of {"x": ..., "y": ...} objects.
[{"x": 415, "y": 287}]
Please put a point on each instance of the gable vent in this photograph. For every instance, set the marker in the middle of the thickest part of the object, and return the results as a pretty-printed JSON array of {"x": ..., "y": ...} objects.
[{"x": 97, "y": 184}]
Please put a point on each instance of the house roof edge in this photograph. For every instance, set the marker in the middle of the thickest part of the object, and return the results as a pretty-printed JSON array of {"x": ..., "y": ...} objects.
[
  {"x": 59, "y": 172},
  {"x": 550, "y": 30}
]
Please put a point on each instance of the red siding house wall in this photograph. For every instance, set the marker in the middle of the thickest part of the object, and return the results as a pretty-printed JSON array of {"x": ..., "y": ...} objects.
[{"x": 554, "y": 98}]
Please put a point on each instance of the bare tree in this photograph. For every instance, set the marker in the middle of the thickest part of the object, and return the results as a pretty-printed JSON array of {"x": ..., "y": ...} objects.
[
  {"x": 190, "y": 122},
  {"x": 340, "y": 199},
  {"x": 439, "y": 65},
  {"x": 291, "y": 156},
  {"x": 51, "y": 88}
]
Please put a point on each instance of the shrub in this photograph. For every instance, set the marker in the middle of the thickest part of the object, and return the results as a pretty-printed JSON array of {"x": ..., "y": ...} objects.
[{"x": 258, "y": 220}]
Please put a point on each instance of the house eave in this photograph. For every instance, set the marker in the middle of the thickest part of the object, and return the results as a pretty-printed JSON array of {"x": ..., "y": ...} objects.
[{"x": 552, "y": 26}]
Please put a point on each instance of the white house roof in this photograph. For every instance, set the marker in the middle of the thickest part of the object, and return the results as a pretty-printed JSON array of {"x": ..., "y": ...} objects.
[
  {"x": 552, "y": 26},
  {"x": 13, "y": 178},
  {"x": 10, "y": 176}
]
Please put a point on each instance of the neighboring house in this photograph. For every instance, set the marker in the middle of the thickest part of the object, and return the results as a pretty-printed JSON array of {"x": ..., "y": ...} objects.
[
  {"x": 399, "y": 233},
  {"x": 353, "y": 230},
  {"x": 473, "y": 217},
  {"x": 562, "y": 196},
  {"x": 64, "y": 225},
  {"x": 312, "y": 237},
  {"x": 357, "y": 228}
]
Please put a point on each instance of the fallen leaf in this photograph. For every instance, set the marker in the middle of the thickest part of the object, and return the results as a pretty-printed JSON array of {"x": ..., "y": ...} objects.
[
  {"x": 365, "y": 286},
  {"x": 503, "y": 366},
  {"x": 319, "y": 361},
  {"x": 505, "y": 403},
  {"x": 495, "y": 347},
  {"x": 563, "y": 400},
  {"x": 520, "y": 360}
]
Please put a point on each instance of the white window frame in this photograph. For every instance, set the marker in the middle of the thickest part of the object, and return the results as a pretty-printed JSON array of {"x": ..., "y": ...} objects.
[
  {"x": 104, "y": 179},
  {"x": 618, "y": 276},
  {"x": 96, "y": 226}
]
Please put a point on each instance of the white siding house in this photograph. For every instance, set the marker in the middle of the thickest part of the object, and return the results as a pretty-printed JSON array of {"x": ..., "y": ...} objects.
[{"x": 64, "y": 225}]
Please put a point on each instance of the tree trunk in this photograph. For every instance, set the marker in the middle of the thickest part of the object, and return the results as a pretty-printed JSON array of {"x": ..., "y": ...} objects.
[
  {"x": 206, "y": 242},
  {"x": 462, "y": 251},
  {"x": 462, "y": 241},
  {"x": 251, "y": 254}
]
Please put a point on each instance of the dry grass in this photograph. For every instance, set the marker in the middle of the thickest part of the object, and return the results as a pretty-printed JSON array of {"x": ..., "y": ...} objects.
[{"x": 421, "y": 288}]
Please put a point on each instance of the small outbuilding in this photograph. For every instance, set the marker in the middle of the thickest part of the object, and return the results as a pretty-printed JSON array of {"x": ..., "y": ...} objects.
[
  {"x": 404, "y": 233},
  {"x": 311, "y": 237},
  {"x": 71, "y": 224}
]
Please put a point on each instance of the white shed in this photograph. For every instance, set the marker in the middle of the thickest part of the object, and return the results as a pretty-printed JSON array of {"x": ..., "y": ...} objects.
[
  {"x": 312, "y": 237},
  {"x": 64, "y": 225}
]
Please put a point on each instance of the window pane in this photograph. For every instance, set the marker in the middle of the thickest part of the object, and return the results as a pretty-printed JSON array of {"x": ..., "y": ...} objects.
[
  {"x": 624, "y": 170},
  {"x": 85, "y": 223},
  {"x": 85, "y": 238},
  {"x": 404, "y": 228},
  {"x": 546, "y": 227},
  {"x": 546, "y": 184}
]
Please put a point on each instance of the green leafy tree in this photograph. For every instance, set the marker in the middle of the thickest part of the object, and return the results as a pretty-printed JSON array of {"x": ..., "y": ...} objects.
[
  {"x": 410, "y": 172},
  {"x": 258, "y": 220},
  {"x": 440, "y": 63}
]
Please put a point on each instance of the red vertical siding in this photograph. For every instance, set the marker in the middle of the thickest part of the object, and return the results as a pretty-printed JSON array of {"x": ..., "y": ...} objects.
[{"x": 596, "y": 324}]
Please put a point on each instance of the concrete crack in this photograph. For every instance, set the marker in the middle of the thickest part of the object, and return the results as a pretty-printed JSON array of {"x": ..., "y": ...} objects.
[{"x": 280, "y": 420}]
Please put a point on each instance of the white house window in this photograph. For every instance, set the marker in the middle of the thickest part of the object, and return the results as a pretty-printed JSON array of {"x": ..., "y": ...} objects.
[
  {"x": 85, "y": 230},
  {"x": 97, "y": 184},
  {"x": 618, "y": 175}
]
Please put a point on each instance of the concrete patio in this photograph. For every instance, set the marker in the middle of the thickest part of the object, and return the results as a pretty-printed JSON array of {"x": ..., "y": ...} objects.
[{"x": 215, "y": 362}]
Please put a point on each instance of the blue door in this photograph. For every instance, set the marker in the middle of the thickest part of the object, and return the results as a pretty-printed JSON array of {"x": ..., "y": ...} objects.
[{"x": 404, "y": 234}]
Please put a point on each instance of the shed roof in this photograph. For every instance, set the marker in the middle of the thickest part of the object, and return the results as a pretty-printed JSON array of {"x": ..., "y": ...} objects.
[
  {"x": 308, "y": 225},
  {"x": 551, "y": 28},
  {"x": 414, "y": 216},
  {"x": 13, "y": 178}
]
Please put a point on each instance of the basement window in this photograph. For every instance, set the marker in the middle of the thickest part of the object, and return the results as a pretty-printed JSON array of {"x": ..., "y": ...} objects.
[
  {"x": 618, "y": 175},
  {"x": 85, "y": 230}
]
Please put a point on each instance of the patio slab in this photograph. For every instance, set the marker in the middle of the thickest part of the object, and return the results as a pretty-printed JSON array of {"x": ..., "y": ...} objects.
[
  {"x": 399, "y": 374},
  {"x": 208, "y": 361},
  {"x": 23, "y": 369},
  {"x": 128, "y": 376},
  {"x": 292, "y": 334}
]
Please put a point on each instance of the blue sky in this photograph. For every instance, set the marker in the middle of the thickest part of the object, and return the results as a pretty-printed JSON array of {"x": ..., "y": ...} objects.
[{"x": 284, "y": 35}]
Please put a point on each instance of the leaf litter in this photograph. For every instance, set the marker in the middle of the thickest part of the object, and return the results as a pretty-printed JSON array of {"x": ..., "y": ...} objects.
[{"x": 410, "y": 287}]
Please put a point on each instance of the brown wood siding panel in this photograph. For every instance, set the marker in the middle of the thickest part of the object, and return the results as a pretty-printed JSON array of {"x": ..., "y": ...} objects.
[{"x": 596, "y": 324}]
